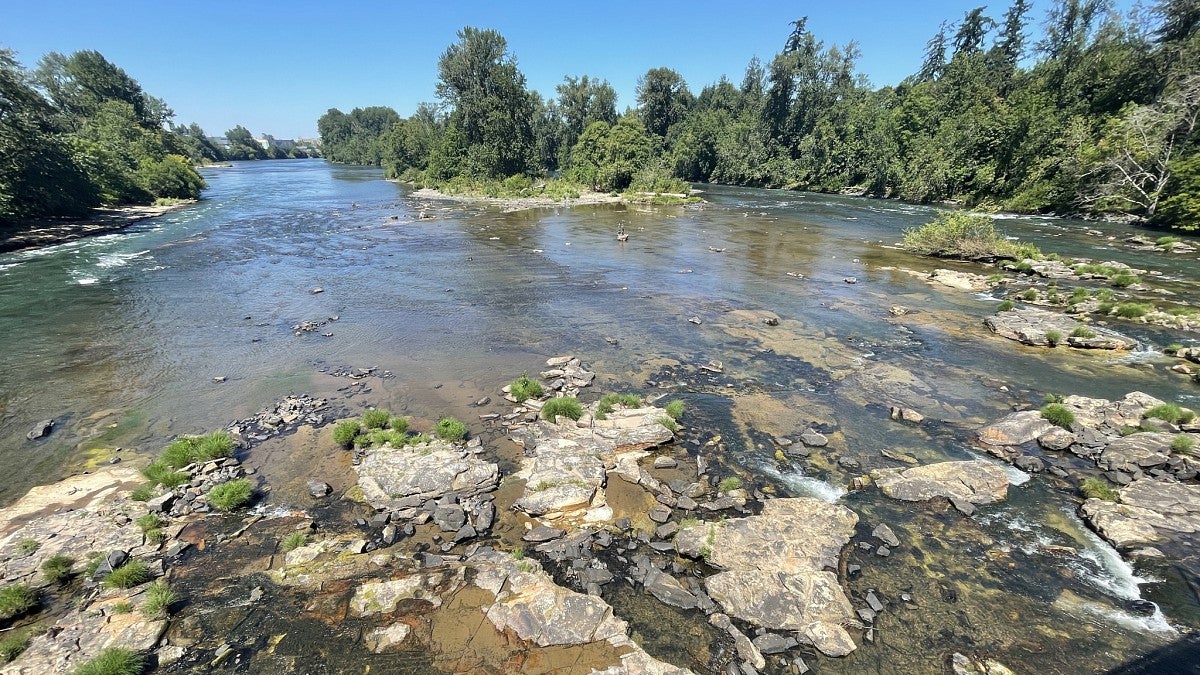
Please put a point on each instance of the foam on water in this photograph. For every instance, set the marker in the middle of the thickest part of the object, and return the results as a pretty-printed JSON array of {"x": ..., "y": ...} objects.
[
  {"x": 109, "y": 260},
  {"x": 805, "y": 486}
]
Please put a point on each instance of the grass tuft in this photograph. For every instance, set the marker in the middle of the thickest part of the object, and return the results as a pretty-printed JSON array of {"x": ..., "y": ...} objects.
[
  {"x": 376, "y": 418},
  {"x": 674, "y": 409},
  {"x": 1183, "y": 444},
  {"x": 57, "y": 569},
  {"x": 16, "y": 600},
  {"x": 1058, "y": 415},
  {"x": 113, "y": 661},
  {"x": 399, "y": 424},
  {"x": 1169, "y": 413},
  {"x": 450, "y": 429},
  {"x": 566, "y": 406},
  {"x": 13, "y": 644},
  {"x": 1006, "y": 306},
  {"x": 669, "y": 423},
  {"x": 132, "y": 573},
  {"x": 231, "y": 495},
  {"x": 729, "y": 483},
  {"x": 610, "y": 401},
  {"x": 345, "y": 432},
  {"x": 1133, "y": 310},
  {"x": 524, "y": 388},
  {"x": 142, "y": 494},
  {"x": 1053, "y": 337},
  {"x": 160, "y": 473},
  {"x": 159, "y": 597},
  {"x": 27, "y": 546},
  {"x": 1083, "y": 332},
  {"x": 294, "y": 541},
  {"x": 1097, "y": 488}
]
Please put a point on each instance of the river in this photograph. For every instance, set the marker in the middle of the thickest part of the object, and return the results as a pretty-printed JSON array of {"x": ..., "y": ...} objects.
[{"x": 118, "y": 338}]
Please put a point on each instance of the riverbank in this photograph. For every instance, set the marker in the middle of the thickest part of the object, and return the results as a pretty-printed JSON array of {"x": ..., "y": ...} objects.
[
  {"x": 102, "y": 220},
  {"x": 522, "y": 203}
]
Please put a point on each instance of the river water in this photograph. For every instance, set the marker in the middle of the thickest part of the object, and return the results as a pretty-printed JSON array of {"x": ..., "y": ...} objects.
[{"x": 118, "y": 339}]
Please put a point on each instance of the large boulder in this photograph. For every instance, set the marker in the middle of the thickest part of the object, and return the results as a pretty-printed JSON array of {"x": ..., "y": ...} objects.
[
  {"x": 1018, "y": 428},
  {"x": 1147, "y": 511},
  {"x": 975, "y": 482},
  {"x": 1136, "y": 452},
  {"x": 391, "y": 477},
  {"x": 1037, "y": 327}
]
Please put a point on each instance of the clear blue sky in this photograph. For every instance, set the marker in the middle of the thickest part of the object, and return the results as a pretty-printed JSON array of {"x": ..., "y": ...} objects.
[{"x": 275, "y": 67}]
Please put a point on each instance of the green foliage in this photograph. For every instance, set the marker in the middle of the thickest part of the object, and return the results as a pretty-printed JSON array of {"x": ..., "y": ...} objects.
[
  {"x": 1030, "y": 295},
  {"x": 123, "y": 607},
  {"x": 195, "y": 449},
  {"x": 133, "y": 573},
  {"x": 1005, "y": 306},
  {"x": 16, "y": 600},
  {"x": 1183, "y": 443},
  {"x": 399, "y": 424},
  {"x": 1133, "y": 310},
  {"x": 150, "y": 521},
  {"x": 294, "y": 541},
  {"x": 113, "y": 661},
  {"x": 1053, "y": 398},
  {"x": 376, "y": 418},
  {"x": 379, "y": 437},
  {"x": 159, "y": 473},
  {"x": 27, "y": 546},
  {"x": 1083, "y": 332},
  {"x": 1058, "y": 415},
  {"x": 959, "y": 235},
  {"x": 608, "y": 157},
  {"x": 1053, "y": 337},
  {"x": 14, "y": 644},
  {"x": 729, "y": 484},
  {"x": 610, "y": 401},
  {"x": 1123, "y": 280},
  {"x": 669, "y": 423},
  {"x": 142, "y": 494},
  {"x": 56, "y": 569},
  {"x": 1097, "y": 488},
  {"x": 565, "y": 406},
  {"x": 231, "y": 495},
  {"x": 159, "y": 597},
  {"x": 450, "y": 429},
  {"x": 524, "y": 388},
  {"x": 1170, "y": 413},
  {"x": 674, "y": 409},
  {"x": 1165, "y": 242},
  {"x": 345, "y": 432}
]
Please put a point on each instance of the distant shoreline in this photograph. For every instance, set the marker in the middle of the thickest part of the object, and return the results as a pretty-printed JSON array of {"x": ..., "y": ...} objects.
[
  {"x": 100, "y": 221},
  {"x": 523, "y": 203}
]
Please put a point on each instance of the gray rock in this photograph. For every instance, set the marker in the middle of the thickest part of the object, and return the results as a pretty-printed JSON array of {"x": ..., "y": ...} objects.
[
  {"x": 770, "y": 643},
  {"x": 1031, "y": 326},
  {"x": 450, "y": 518},
  {"x": 464, "y": 533},
  {"x": 161, "y": 503},
  {"x": 1015, "y": 429},
  {"x": 485, "y": 516},
  {"x": 976, "y": 482},
  {"x": 1056, "y": 439},
  {"x": 668, "y": 590},
  {"x": 664, "y": 462},
  {"x": 666, "y": 530},
  {"x": 660, "y": 513},
  {"x": 40, "y": 430},
  {"x": 1029, "y": 464},
  {"x": 885, "y": 534},
  {"x": 813, "y": 438},
  {"x": 542, "y": 533},
  {"x": 318, "y": 488},
  {"x": 389, "y": 535},
  {"x": 388, "y": 475},
  {"x": 1138, "y": 451},
  {"x": 873, "y": 602}
]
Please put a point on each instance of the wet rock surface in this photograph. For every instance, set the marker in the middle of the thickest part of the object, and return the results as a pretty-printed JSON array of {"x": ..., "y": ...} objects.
[
  {"x": 973, "y": 482},
  {"x": 1041, "y": 328}
]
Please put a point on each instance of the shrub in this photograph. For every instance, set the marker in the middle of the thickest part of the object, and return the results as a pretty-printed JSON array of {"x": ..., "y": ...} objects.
[
  {"x": 959, "y": 235},
  {"x": 1083, "y": 332},
  {"x": 113, "y": 661},
  {"x": 566, "y": 406},
  {"x": 294, "y": 541},
  {"x": 13, "y": 644},
  {"x": 1006, "y": 305},
  {"x": 27, "y": 546},
  {"x": 57, "y": 568},
  {"x": 231, "y": 495},
  {"x": 1133, "y": 310},
  {"x": 1103, "y": 294},
  {"x": 16, "y": 600},
  {"x": 344, "y": 432},
  {"x": 399, "y": 424},
  {"x": 450, "y": 429},
  {"x": 609, "y": 401},
  {"x": 142, "y": 494},
  {"x": 1053, "y": 337},
  {"x": 1183, "y": 444},
  {"x": 1170, "y": 413},
  {"x": 729, "y": 483},
  {"x": 159, "y": 597},
  {"x": 1123, "y": 280},
  {"x": 674, "y": 409},
  {"x": 1129, "y": 430},
  {"x": 1097, "y": 488},
  {"x": 376, "y": 418},
  {"x": 159, "y": 473},
  {"x": 524, "y": 388},
  {"x": 128, "y": 575},
  {"x": 1058, "y": 415},
  {"x": 1104, "y": 308}
]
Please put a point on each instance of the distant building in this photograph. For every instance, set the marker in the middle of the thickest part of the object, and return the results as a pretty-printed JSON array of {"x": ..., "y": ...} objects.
[
  {"x": 219, "y": 141},
  {"x": 268, "y": 141}
]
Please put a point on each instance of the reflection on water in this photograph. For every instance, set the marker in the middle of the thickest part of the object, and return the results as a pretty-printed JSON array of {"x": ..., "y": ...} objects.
[{"x": 118, "y": 338}]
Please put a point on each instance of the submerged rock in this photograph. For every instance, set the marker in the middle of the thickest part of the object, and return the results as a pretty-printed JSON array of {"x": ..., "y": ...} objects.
[
  {"x": 40, "y": 430},
  {"x": 974, "y": 482}
]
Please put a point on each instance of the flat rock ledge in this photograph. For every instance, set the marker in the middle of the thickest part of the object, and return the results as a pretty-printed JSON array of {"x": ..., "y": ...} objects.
[
  {"x": 963, "y": 483},
  {"x": 775, "y": 569},
  {"x": 1146, "y": 512},
  {"x": 399, "y": 478},
  {"x": 1036, "y": 327}
]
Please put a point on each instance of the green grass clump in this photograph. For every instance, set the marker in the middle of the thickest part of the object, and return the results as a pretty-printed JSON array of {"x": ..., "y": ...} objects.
[
  {"x": 56, "y": 569},
  {"x": 450, "y": 429},
  {"x": 193, "y": 449},
  {"x": 1096, "y": 270},
  {"x": 150, "y": 521},
  {"x": 960, "y": 235},
  {"x": 159, "y": 473},
  {"x": 231, "y": 495},
  {"x": 27, "y": 546},
  {"x": 1030, "y": 295},
  {"x": 1005, "y": 306},
  {"x": 1123, "y": 280},
  {"x": 566, "y": 406},
  {"x": 669, "y": 423},
  {"x": 16, "y": 600},
  {"x": 382, "y": 436},
  {"x": 130, "y": 574},
  {"x": 142, "y": 494},
  {"x": 1133, "y": 310},
  {"x": 674, "y": 409},
  {"x": 1083, "y": 332},
  {"x": 345, "y": 432},
  {"x": 1078, "y": 296},
  {"x": 1170, "y": 413},
  {"x": 1053, "y": 337},
  {"x": 1058, "y": 415},
  {"x": 524, "y": 388},
  {"x": 419, "y": 439},
  {"x": 399, "y": 424},
  {"x": 13, "y": 644},
  {"x": 113, "y": 661},
  {"x": 1053, "y": 398},
  {"x": 1164, "y": 242},
  {"x": 376, "y": 418},
  {"x": 1097, "y": 488},
  {"x": 729, "y": 483},
  {"x": 1183, "y": 444},
  {"x": 123, "y": 607},
  {"x": 294, "y": 541},
  {"x": 610, "y": 401},
  {"x": 1172, "y": 349},
  {"x": 159, "y": 597}
]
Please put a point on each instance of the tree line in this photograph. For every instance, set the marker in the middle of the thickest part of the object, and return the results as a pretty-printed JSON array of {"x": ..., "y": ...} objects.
[
  {"x": 1086, "y": 111},
  {"x": 78, "y": 132}
]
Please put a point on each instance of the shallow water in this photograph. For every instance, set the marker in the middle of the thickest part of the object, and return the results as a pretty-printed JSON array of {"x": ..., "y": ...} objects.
[{"x": 118, "y": 338}]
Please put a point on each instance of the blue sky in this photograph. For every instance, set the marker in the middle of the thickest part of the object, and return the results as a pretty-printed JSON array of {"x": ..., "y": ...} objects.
[{"x": 275, "y": 67}]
